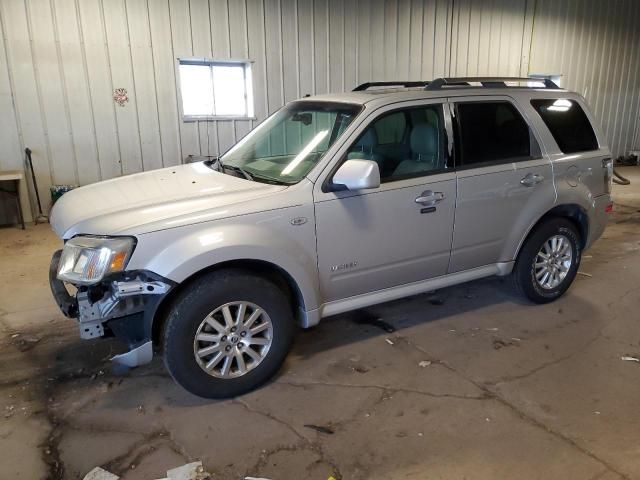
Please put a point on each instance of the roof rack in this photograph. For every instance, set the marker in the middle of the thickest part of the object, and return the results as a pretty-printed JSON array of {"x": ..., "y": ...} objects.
[
  {"x": 489, "y": 82},
  {"x": 405, "y": 84}
]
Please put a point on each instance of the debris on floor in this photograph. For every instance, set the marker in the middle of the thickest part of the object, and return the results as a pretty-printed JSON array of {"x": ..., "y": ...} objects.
[
  {"x": 424, "y": 363},
  {"x": 25, "y": 342},
  {"x": 189, "y": 471},
  {"x": 630, "y": 358},
  {"x": 585, "y": 274},
  {"x": 359, "y": 369},
  {"x": 256, "y": 478},
  {"x": 100, "y": 474},
  {"x": 389, "y": 341},
  {"x": 320, "y": 428},
  {"x": 499, "y": 343}
]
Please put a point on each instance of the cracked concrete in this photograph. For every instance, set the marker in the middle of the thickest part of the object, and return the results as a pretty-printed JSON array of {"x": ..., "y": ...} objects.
[{"x": 512, "y": 390}]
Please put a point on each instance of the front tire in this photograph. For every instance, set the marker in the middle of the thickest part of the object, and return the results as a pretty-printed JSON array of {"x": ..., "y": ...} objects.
[
  {"x": 227, "y": 333},
  {"x": 548, "y": 261}
]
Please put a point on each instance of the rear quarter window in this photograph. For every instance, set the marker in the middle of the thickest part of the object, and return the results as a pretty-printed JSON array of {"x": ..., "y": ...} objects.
[{"x": 568, "y": 124}]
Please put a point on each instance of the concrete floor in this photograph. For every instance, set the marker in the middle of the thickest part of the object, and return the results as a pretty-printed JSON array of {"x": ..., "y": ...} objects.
[{"x": 512, "y": 390}]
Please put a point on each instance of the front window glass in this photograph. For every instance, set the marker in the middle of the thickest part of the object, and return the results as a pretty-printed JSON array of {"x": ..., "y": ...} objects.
[
  {"x": 405, "y": 143},
  {"x": 287, "y": 145}
]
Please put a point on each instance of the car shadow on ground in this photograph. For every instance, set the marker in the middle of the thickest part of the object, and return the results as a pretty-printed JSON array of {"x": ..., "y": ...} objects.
[
  {"x": 77, "y": 361},
  {"x": 398, "y": 315}
]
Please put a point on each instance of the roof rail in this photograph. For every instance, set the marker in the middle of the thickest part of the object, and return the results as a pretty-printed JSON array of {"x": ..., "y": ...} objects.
[
  {"x": 398, "y": 83},
  {"x": 490, "y": 82}
]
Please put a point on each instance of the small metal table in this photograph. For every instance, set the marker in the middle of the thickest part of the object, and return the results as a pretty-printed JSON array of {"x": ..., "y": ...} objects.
[{"x": 14, "y": 177}]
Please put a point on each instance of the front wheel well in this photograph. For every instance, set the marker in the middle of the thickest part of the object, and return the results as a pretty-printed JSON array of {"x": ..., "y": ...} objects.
[{"x": 261, "y": 268}]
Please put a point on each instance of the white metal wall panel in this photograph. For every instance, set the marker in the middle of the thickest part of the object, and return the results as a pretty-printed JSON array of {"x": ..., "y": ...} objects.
[
  {"x": 60, "y": 61},
  {"x": 487, "y": 37},
  {"x": 96, "y": 64},
  {"x": 11, "y": 150},
  {"x": 165, "y": 82},
  {"x": 121, "y": 72},
  {"x": 21, "y": 64},
  {"x": 76, "y": 92},
  {"x": 182, "y": 46},
  {"x": 595, "y": 46},
  {"x": 146, "y": 101}
]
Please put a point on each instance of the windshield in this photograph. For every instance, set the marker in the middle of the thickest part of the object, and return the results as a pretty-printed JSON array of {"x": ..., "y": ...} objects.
[{"x": 288, "y": 144}]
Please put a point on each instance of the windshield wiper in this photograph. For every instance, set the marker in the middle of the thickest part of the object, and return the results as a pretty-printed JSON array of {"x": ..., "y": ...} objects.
[
  {"x": 213, "y": 161},
  {"x": 235, "y": 168},
  {"x": 216, "y": 163},
  {"x": 219, "y": 166}
]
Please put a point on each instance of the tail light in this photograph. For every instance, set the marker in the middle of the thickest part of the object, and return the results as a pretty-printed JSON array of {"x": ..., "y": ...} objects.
[{"x": 607, "y": 166}]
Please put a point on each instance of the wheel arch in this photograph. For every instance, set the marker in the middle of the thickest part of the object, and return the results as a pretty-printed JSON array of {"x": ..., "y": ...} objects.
[
  {"x": 575, "y": 213},
  {"x": 283, "y": 279}
]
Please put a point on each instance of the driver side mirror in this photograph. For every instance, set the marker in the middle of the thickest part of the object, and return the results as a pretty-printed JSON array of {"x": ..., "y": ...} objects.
[{"x": 357, "y": 174}]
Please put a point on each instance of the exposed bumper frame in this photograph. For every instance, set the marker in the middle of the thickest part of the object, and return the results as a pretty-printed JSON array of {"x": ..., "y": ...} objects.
[{"x": 123, "y": 304}]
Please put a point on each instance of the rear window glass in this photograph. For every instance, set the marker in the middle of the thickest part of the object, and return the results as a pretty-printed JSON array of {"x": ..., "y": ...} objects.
[
  {"x": 568, "y": 124},
  {"x": 492, "y": 132}
]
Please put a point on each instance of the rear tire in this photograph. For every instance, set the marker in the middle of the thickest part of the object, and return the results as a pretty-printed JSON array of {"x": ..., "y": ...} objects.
[
  {"x": 227, "y": 333},
  {"x": 548, "y": 261}
]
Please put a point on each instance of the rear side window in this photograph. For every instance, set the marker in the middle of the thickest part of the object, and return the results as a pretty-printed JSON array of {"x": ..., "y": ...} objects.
[
  {"x": 568, "y": 124},
  {"x": 490, "y": 133}
]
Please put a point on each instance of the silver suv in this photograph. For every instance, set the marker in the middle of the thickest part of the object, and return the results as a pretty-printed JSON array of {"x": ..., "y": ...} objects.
[{"x": 334, "y": 203}]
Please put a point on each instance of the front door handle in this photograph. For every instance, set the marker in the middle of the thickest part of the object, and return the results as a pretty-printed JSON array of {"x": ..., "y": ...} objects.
[
  {"x": 429, "y": 198},
  {"x": 531, "y": 179}
]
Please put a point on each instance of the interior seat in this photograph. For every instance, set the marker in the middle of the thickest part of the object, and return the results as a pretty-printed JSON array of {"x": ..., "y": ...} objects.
[
  {"x": 365, "y": 148},
  {"x": 425, "y": 147}
]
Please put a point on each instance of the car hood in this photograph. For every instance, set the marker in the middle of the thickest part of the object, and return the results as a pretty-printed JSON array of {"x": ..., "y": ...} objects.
[{"x": 157, "y": 200}]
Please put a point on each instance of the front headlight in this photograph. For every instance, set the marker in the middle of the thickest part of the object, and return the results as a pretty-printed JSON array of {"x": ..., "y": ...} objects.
[{"x": 86, "y": 260}]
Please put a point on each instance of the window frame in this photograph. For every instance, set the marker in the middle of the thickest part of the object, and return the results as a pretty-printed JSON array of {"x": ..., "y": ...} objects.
[
  {"x": 249, "y": 95},
  {"x": 457, "y": 134},
  {"x": 329, "y": 186}
]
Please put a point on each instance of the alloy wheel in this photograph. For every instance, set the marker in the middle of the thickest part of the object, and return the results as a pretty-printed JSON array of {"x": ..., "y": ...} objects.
[
  {"x": 233, "y": 339},
  {"x": 553, "y": 261}
]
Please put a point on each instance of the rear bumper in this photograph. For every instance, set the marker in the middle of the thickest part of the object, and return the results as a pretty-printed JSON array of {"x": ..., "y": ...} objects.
[
  {"x": 599, "y": 218},
  {"x": 123, "y": 305}
]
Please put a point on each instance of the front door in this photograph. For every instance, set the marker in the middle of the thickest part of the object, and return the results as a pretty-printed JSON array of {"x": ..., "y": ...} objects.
[
  {"x": 400, "y": 232},
  {"x": 504, "y": 181}
]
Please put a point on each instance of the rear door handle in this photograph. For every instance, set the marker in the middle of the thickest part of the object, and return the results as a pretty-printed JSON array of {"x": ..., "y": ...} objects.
[
  {"x": 429, "y": 198},
  {"x": 531, "y": 179}
]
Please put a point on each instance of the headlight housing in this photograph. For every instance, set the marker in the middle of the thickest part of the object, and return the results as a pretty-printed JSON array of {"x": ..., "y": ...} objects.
[{"x": 86, "y": 260}]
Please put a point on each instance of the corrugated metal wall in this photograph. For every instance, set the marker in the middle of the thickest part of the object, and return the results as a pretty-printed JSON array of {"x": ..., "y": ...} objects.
[
  {"x": 60, "y": 61},
  {"x": 595, "y": 45}
]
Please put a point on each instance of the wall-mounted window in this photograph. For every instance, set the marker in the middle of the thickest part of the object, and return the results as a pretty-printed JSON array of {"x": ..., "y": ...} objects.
[{"x": 215, "y": 89}]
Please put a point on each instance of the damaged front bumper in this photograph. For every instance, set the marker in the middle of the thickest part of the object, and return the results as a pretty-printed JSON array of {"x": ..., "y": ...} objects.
[{"x": 122, "y": 305}]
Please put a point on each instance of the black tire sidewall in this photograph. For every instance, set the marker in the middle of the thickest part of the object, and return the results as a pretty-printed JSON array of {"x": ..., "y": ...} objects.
[
  {"x": 198, "y": 300},
  {"x": 525, "y": 271}
]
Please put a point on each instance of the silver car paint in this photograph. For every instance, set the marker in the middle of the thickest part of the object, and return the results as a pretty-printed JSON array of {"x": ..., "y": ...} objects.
[
  {"x": 183, "y": 227},
  {"x": 384, "y": 237},
  {"x": 494, "y": 207},
  {"x": 158, "y": 200}
]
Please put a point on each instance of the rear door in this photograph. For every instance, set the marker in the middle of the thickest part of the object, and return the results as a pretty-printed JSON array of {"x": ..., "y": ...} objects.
[{"x": 505, "y": 183}]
